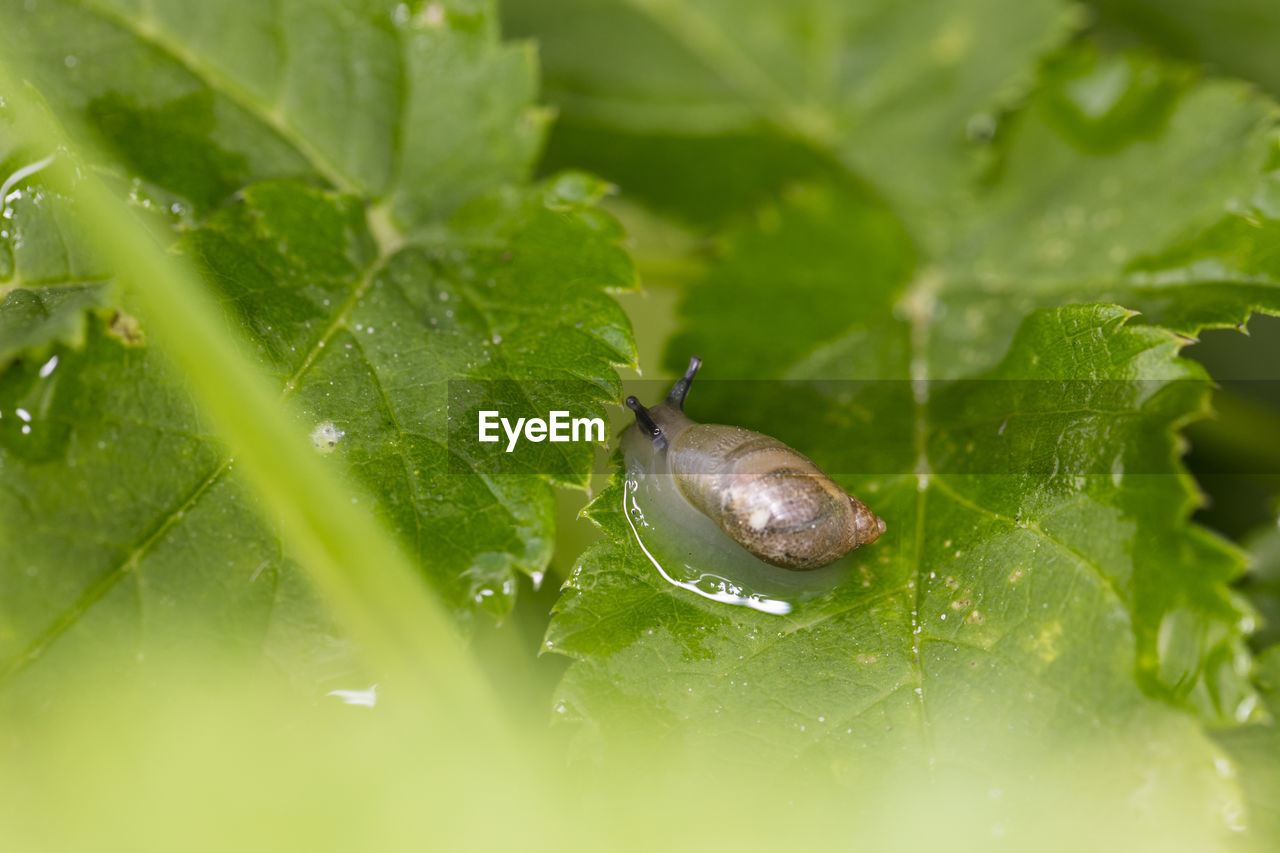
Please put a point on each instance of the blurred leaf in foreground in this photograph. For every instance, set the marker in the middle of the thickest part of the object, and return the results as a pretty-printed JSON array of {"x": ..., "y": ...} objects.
[{"x": 284, "y": 774}]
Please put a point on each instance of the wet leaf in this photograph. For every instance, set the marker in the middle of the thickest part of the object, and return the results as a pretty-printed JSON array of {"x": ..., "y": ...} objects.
[
  {"x": 876, "y": 88},
  {"x": 1262, "y": 584},
  {"x": 1254, "y": 749},
  {"x": 1035, "y": 531},
  {"x": 944, "y": 318},
  {"x": 1232, "y": 36},
  {"x": 353, "y": 188}
]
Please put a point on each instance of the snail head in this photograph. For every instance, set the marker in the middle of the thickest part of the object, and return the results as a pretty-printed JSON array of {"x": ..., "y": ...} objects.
[{"x": 651, "y": 421}]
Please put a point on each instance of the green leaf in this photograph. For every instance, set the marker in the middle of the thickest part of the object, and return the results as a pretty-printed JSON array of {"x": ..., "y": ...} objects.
[
  {"x": 129, "y": 490},
  {"x": 992, "y": 628},
  {"x": 1065, "y": 197},
  {"x": 1080, "y": 207},
  {"x": 1050, "y": 458},
  {"x": 892, "y": 328},
  {"x": 48, "y": 281},
  {"x": 194, "y": 104},
  {"x": 424, "y": 266},
  {"x": 1254, "y": 748},
  {"x": 31, "y": 318},
  {"x": 1073, "y": 203},
  {"x": 877, "y": 87},
  {"x": 202, "y": 101},
  {"x": 1233, "y": 36},
  {"x": 1262, "y": 584}
]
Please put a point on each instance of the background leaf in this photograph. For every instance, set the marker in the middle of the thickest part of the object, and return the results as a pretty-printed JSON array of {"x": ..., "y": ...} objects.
[
  {"x": 1262, "y": 584},
  {"x": 1254, "y": 749},
  {"x": 1231, "y": 37},
  {"x": 872, "y": 86}
]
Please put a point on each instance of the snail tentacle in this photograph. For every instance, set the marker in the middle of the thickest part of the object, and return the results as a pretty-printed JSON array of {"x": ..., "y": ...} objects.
[
  {"x": 646, "y": 422},
  {"x": 680, "y": 390}
]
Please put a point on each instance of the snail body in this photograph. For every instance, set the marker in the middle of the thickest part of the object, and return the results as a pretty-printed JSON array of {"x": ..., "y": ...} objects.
[{"x": 768, "y": 498}]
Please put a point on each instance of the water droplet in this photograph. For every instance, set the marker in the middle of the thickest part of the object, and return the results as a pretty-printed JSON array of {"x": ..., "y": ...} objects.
[
  {"x": 433, "y": 15},
  {"x": 366, "y": 698},
  {"x": 325, "y": 437},
  {"x": 981, "y": 128}
]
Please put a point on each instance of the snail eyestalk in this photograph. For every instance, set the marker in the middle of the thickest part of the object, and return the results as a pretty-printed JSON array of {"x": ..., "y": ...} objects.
[
  {"x": 646, "y": 421},
  {"x": 681, "y": 388}
]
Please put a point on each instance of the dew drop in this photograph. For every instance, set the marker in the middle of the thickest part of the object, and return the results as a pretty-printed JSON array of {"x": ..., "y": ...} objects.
[
  {"x": 325, "y": 437},
  {"x": 980, "y": 128},
  {"x": 433, "y": 15},
  {"x": 366, "y": 698}
]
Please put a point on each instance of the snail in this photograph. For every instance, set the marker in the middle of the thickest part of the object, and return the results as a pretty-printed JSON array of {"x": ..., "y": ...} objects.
[{"x": 765, "y": 496}]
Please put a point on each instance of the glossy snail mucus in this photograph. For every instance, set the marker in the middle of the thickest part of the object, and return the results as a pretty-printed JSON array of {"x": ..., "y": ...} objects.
[{"x": 765, "y": 496}]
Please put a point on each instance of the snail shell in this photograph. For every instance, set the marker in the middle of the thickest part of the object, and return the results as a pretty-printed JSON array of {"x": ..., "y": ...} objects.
[{"x": 768, "y": 498}]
